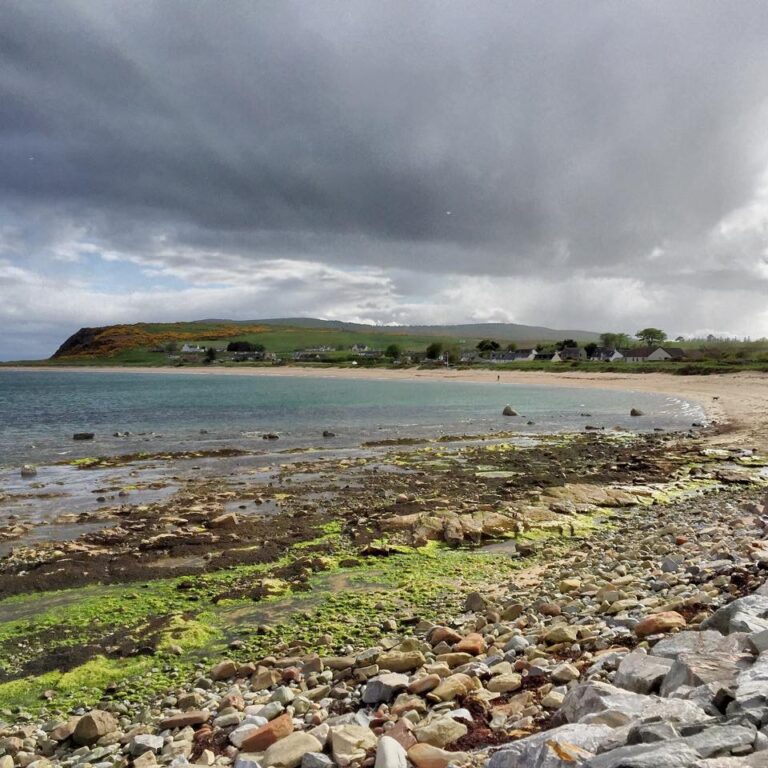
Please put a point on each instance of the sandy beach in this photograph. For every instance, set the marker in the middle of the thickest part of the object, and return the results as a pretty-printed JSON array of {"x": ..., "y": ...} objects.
[{"x": 737, "y": 401}]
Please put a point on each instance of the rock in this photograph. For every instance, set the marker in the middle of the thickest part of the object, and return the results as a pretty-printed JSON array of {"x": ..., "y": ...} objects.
[
  {"x": 242, "y": 732},
  {"x": 746, "y": 614},
  {"x": 473, "y": 643},
  {"x": 751, "y": 694},
  {"x": 91, "y": 727},
  {"x": 224, "y": 670},
  {"x": 389, "y": 754},
  {"x": 144, "y": 742},
  {"x": 148, "y": 760},
  {"x": 641, "y": 673},
  {"x": 245, "y": 760},
  {"x": 427, "y": 756},
  {"x": 569, "y": 585},
  {"x": 694, "y": 669},
  {"x": 565, "y": 673},
  {"x": 509, "y": 411},
  {"x": 64, "y": 730},
  {"x": 268, "y": 734},
  {"x": 677, "y": 753},
  {"x": 635, "y": 412},
  {"x": 29, "y": 470},
  {"x": 384, "y": 687},
  {"x": 328, "y": 433},
  {"x": 602, "y": 703},
  {"x": 401, "y": 661},
  {"x": 505, "y": 683},
  {"x": 289, "y": 752},
  {"x": 83, "y": 436},
  {"x": 422, "y": 685},
  {"x": 185, "y": 719},
  {"x": 563, "y": 747},
  {"x": 451, "y": 688},
  {"x": 316, "y": 760},
  {"x": 440, "y": 732},
  {"x": 226, "y": 521},
  {"x": 702, "y": 642},
  {"x": 475, "y": 602},
  {"x": 553, "y": 700},
  {"x": 561, "y": 633},
  {"x": 658, "y": 623},
  {"x": 350, "y": 743}
]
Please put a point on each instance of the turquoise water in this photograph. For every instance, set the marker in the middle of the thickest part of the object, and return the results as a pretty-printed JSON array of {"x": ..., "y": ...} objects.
[{"x": 40, "y": 410}]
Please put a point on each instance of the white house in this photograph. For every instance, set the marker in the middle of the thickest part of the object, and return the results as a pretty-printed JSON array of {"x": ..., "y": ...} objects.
[
  {"x": 652, "y": 354},
  {"x": 188, "y": 349}
]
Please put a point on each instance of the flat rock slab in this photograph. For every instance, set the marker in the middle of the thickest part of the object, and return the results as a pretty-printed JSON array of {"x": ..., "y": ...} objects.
[{"x": 600, "y": 702}]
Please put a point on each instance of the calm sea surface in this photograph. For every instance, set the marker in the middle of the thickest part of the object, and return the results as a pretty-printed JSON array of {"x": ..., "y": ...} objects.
[{"x": 40, "y": 410}]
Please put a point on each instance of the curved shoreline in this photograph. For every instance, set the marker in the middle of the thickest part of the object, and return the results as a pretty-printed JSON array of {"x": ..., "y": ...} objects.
[{"x": 737, "y": 401}]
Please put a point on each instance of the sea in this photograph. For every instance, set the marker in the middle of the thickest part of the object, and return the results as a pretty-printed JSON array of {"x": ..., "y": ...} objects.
[{"x": 131, "y": 412}]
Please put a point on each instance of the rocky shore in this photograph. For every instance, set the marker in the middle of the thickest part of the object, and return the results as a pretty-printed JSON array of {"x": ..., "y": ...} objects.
[{"x": 644, "y": 644}]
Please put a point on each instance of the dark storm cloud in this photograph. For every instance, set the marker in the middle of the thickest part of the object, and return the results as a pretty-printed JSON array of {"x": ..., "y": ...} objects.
[{"x": 555, "y": 133}]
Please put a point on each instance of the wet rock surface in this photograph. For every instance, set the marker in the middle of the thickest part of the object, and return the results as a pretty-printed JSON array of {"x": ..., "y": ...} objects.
[{"x": 644, "y": 645}]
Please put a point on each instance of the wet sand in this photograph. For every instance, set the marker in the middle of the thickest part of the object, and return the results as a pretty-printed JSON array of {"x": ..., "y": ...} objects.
[{"x": 738, "y": 401}]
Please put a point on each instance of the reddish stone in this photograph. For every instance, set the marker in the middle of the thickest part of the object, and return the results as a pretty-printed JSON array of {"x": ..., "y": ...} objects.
[
  {"x": 192, "y": 718},
  {"x": 657, "y": 623},
  {"x": 473, "y": 643},
  {"x": 402, "y": 733},
  {"x": 680, "y": 540},
  {"x": 268, "y": 734},
  {"x": 444, "y": 634}
]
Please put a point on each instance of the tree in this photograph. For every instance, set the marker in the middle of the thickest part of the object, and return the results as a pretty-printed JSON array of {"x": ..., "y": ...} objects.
[
  {"x": 488, "y": 345},
  {"x": 210, "y": 355},
  {"x": 511, "y": 347},
  {"x": 434, "y": 350},
  {"x": 614, "y": 340},
  {"x": 590, "y": 349},
  {"x": 393, "y": 352},
  {"x": 171, "y": 347},
  {"x": 566, "y": 343},
  {"x": 651, "y": 336}
]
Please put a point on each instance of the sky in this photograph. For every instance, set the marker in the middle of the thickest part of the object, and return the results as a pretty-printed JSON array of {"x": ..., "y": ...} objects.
[{"x": 595, "y": 165}]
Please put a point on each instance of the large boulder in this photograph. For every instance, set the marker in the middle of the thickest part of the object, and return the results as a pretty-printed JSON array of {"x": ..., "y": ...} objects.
[
  {"x": 694, "y": 669},
  {"x": 751, "y": 694},
  {"x": 563, "y": 747},
  {"x": 602, "y": 703},
  {"x": 747, "y": 614},
  {"x": 91, "y": 727},
  {"x": 704, "y": 642},
  {"x": 677, "y": 753},
  {"x": 640, "y": 673}
]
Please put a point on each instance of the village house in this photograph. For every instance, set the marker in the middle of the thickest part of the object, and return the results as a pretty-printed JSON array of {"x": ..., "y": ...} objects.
[
  {"x": 190, "y": 349},
  {"x": 502, "y": 356},
  {"x": 568, "y": 353},
  {"x": 652, "y": 354},
  {"x": 607, "y": 355},
  {"x": 525, "y": 354}
]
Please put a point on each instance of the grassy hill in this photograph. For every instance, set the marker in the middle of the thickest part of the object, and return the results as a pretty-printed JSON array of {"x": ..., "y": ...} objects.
[{"x": 143, "y": 343}]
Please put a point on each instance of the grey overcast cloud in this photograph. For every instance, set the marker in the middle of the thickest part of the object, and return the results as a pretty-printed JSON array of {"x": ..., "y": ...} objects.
[{"x": 601, "y": 165}]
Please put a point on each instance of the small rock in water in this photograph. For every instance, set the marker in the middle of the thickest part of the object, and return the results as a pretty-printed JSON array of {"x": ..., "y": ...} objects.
[
  {"x": 509, "y": 411},
  {"x": 29, "y": 470},
  {"x": 635, "y": 412},
  {"x": 270, "y": 436},
  {"x": 328, "y": 433},
  {"x": 83, "y": 436}
]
